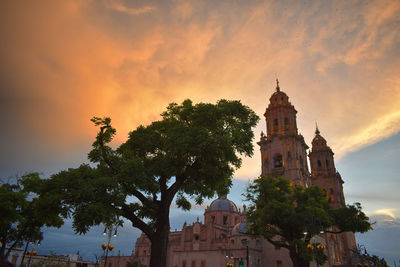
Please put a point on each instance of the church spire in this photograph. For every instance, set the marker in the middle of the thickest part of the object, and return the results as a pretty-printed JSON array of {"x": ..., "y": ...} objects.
[
  {"x": 316, "y": 129},
  {"x": 278, "y": 89}
]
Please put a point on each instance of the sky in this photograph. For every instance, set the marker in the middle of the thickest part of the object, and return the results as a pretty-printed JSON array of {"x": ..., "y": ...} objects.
[{"x": 63, "y": 62}]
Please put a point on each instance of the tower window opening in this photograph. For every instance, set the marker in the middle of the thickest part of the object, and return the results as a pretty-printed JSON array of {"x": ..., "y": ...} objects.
[
  {"x": 213, "y": 219},
  {"x": 278, "y": 161},
  {"x": 319, "y": 164},
  {"x": 327, "y": 163},
  {"x": 332, "y": 196},
  {"x": 275, "y": 122},
  {"x": 289, "y": 155},
  {"x": 286, "y": 121},
  {"x": 225, "y": 220}
]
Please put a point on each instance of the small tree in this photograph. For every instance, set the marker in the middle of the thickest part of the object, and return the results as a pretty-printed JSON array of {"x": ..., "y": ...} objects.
[
  {"x": 21, "y": 217},
  {"x": 281, "y": 213},
  {"x": 193, "y": 151},
  {"x": 366, "y": 259}
]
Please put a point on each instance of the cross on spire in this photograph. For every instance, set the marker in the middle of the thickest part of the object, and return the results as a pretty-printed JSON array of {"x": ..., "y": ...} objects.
[
  {"x": 316, "y": 129},
  {"x": 278, "y": 89}
]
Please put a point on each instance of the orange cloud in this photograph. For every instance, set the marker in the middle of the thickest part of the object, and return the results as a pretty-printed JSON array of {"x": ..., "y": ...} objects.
[
  {"x": 118, "y": 6},
  {"x": 66, "y": 62}
]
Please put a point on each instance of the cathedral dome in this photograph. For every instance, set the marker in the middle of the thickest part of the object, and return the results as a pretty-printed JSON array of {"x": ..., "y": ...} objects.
[
  {"x": 239, "y": 228},
  {"x": 279, "y": 97},
  {"x": 223, "y": 204}
]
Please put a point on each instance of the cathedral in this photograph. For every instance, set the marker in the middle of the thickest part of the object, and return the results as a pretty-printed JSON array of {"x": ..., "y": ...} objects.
[{"x": 221, "y": 240}]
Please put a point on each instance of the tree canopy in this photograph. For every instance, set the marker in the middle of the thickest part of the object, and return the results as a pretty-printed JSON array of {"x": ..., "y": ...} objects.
[
  {"x": 282, "y": 213},
  {"x": 192, "y": 151},
  {"x": 21, "y": 216}
]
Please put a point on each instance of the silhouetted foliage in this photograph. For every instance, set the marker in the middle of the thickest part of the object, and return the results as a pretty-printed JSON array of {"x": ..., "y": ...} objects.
[
  {"x": 282, "y": 213},
  {"x": 21, "y": 216},
  {"x": 192, "y": 151},
  {"x": 365, "y": 259}
]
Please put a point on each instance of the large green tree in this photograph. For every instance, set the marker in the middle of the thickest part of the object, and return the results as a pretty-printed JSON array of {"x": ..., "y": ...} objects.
[
  {"x": 283, "y": 213},
  {"x": 21, "y": 217},
  {"x": 191, "y": 152}
]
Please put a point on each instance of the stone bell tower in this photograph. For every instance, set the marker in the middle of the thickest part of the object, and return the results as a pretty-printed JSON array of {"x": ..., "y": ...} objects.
[
  {"x": 324, "y": 175},
  {"x": 323, "y": 171},
  {"x": 283, "y": 150}
]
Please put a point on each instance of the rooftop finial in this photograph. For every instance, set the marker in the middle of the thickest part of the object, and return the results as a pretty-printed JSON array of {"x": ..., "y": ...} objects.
[
  {"x": 316, "y": 129},
  {"x": 278, "y": 89}
]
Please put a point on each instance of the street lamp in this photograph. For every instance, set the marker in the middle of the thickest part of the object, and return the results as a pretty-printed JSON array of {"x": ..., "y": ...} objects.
[
  {"x": 245, "y": 243},
  {"x": 29, "y": 252},
  {"x": 108, "y": 230},
  {"x": 229, "y": 257},
  {"x": 314, "y": 227}
]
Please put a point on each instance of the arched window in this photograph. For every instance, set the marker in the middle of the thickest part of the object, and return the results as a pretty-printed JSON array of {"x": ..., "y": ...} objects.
[
  {"x": 275, "y": 122},
  {"x": 327, "y": 163},
  {"x": 319, "y": 164},
  {"x": 278, "y": 161}
]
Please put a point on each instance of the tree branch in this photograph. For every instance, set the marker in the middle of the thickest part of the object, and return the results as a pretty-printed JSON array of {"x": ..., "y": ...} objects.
[
  {"x": 277, "y": 243},
  {"x": 334, "y": 232},
  {"x": 173, "y": 189},
  {"x": 163, "y": 186},
  {"x": 136, "y": 222},
  {"x": 19, "y": 236},
  {"x": 103, "y": 152},
  {"x": 142, "y": 198}
]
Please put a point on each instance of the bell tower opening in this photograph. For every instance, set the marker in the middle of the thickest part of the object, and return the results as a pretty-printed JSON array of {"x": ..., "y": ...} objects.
[{"x": 278, "y": 162}]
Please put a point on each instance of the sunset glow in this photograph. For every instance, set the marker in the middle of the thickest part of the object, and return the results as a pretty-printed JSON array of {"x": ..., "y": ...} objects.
[{"x": 63, "y": 62}]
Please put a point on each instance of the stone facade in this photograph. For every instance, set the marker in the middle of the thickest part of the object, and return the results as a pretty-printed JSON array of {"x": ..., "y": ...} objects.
[
  {"x": 283, "y": 153},
  {"x": 220, "y": 240}
]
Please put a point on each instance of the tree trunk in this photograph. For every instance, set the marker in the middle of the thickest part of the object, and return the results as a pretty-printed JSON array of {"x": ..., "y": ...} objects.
[
  {"x": 159, "y": 241},
  {"x": 3, "y": 248},
  {"x": 296, "y": 260}
]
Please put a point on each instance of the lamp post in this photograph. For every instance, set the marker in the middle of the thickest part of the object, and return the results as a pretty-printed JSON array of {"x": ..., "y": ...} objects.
[
  {"x": 314, "y": 227},
  {"x": 110, "y": 231},
  {"x": 229, "y": 258},
  {"x": 245, "y": 243},
  {"x": 30, "y": 253}
]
